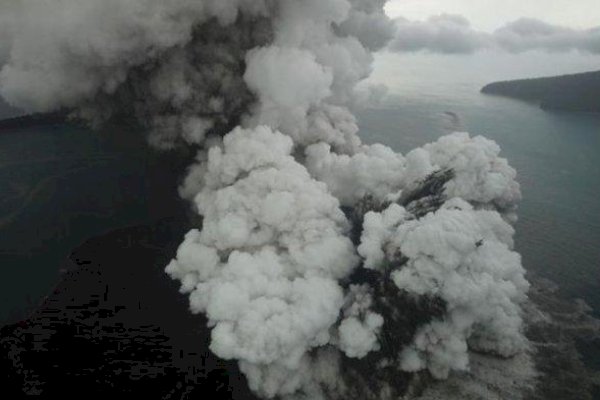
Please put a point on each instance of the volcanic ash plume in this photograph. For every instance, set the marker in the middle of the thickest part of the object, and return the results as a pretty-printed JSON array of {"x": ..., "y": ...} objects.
[{"x": 327, "y": 268}]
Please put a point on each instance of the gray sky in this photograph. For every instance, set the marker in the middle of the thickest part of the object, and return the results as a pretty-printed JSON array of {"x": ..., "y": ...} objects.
[
  {"x": 491, "y": 14},
  {"x": 463, "y": 55},
  {"x": 424, "y": 72}
]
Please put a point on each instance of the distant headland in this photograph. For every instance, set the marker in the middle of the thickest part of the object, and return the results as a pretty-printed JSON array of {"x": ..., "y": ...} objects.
[
  {"x": 31, "y": 120},
  {"x": 577, "y": 92}
]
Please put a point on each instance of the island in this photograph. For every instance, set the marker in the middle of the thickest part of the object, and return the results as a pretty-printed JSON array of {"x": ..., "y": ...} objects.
[
  {"x": 576, "y": 92},
  {"x": 35, "y": 120}
]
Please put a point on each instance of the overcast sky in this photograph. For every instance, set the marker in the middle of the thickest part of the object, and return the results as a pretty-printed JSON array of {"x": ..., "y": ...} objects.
[
  {"x": 491, "y": 14},
  {"x": 465, "y": 45}
]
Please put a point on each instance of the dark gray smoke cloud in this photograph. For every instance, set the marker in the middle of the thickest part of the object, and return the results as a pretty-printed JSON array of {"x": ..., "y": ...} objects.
[
  {"x": 453, "y": 34},
  {"x": 319, "y": 256}
]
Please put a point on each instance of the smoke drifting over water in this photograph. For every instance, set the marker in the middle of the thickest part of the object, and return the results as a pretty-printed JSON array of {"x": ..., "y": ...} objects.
[{"x": 327, "y": 268}]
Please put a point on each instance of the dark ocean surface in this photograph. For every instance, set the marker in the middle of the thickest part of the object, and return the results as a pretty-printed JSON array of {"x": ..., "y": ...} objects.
[{"x": 64, "y": 184}]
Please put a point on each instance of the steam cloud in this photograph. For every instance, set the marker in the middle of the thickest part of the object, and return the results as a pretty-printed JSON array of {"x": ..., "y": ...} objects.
[
  {"x": 453, "y": 34},
  {"x": 319, "y": 258}
]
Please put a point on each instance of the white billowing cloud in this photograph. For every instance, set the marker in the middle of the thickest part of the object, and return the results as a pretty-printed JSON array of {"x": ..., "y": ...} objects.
[
  {"x": 463, "y": 256},
  {"x": 285, "y": 94},
  {"x": 266, "y": 265},
  {"x": 303, "y": 99},
  {"x": 267, "y": 75},
  {"x": 358, "y": 332},
  {"x": 262, "y": 90},
  {"x": 378, "y": 228},
  {"x": 453, "y": 34},
  {"x": 374, "y": 170},
  {"x": 460, "y": 254},
  {"x": 257, "y": 199},
  {"x": 481, "y": 176}
]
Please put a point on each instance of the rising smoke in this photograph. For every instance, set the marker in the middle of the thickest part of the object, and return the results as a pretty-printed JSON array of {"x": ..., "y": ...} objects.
[{"x": 327, "y": 268}]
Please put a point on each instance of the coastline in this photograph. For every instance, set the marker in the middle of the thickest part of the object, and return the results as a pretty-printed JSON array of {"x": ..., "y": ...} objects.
[{"x": 577, "y": 93}]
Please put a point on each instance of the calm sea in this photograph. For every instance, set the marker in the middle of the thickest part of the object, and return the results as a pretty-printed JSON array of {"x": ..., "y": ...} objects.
[
  {"x": 62, "y": 185},
  {"x": 557, "y": 157}
]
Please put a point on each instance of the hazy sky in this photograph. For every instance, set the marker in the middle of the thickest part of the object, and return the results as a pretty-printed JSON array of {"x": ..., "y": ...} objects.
[
  {"x": 491, "y": 14},
  {"x": 431, "y": 69}
]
